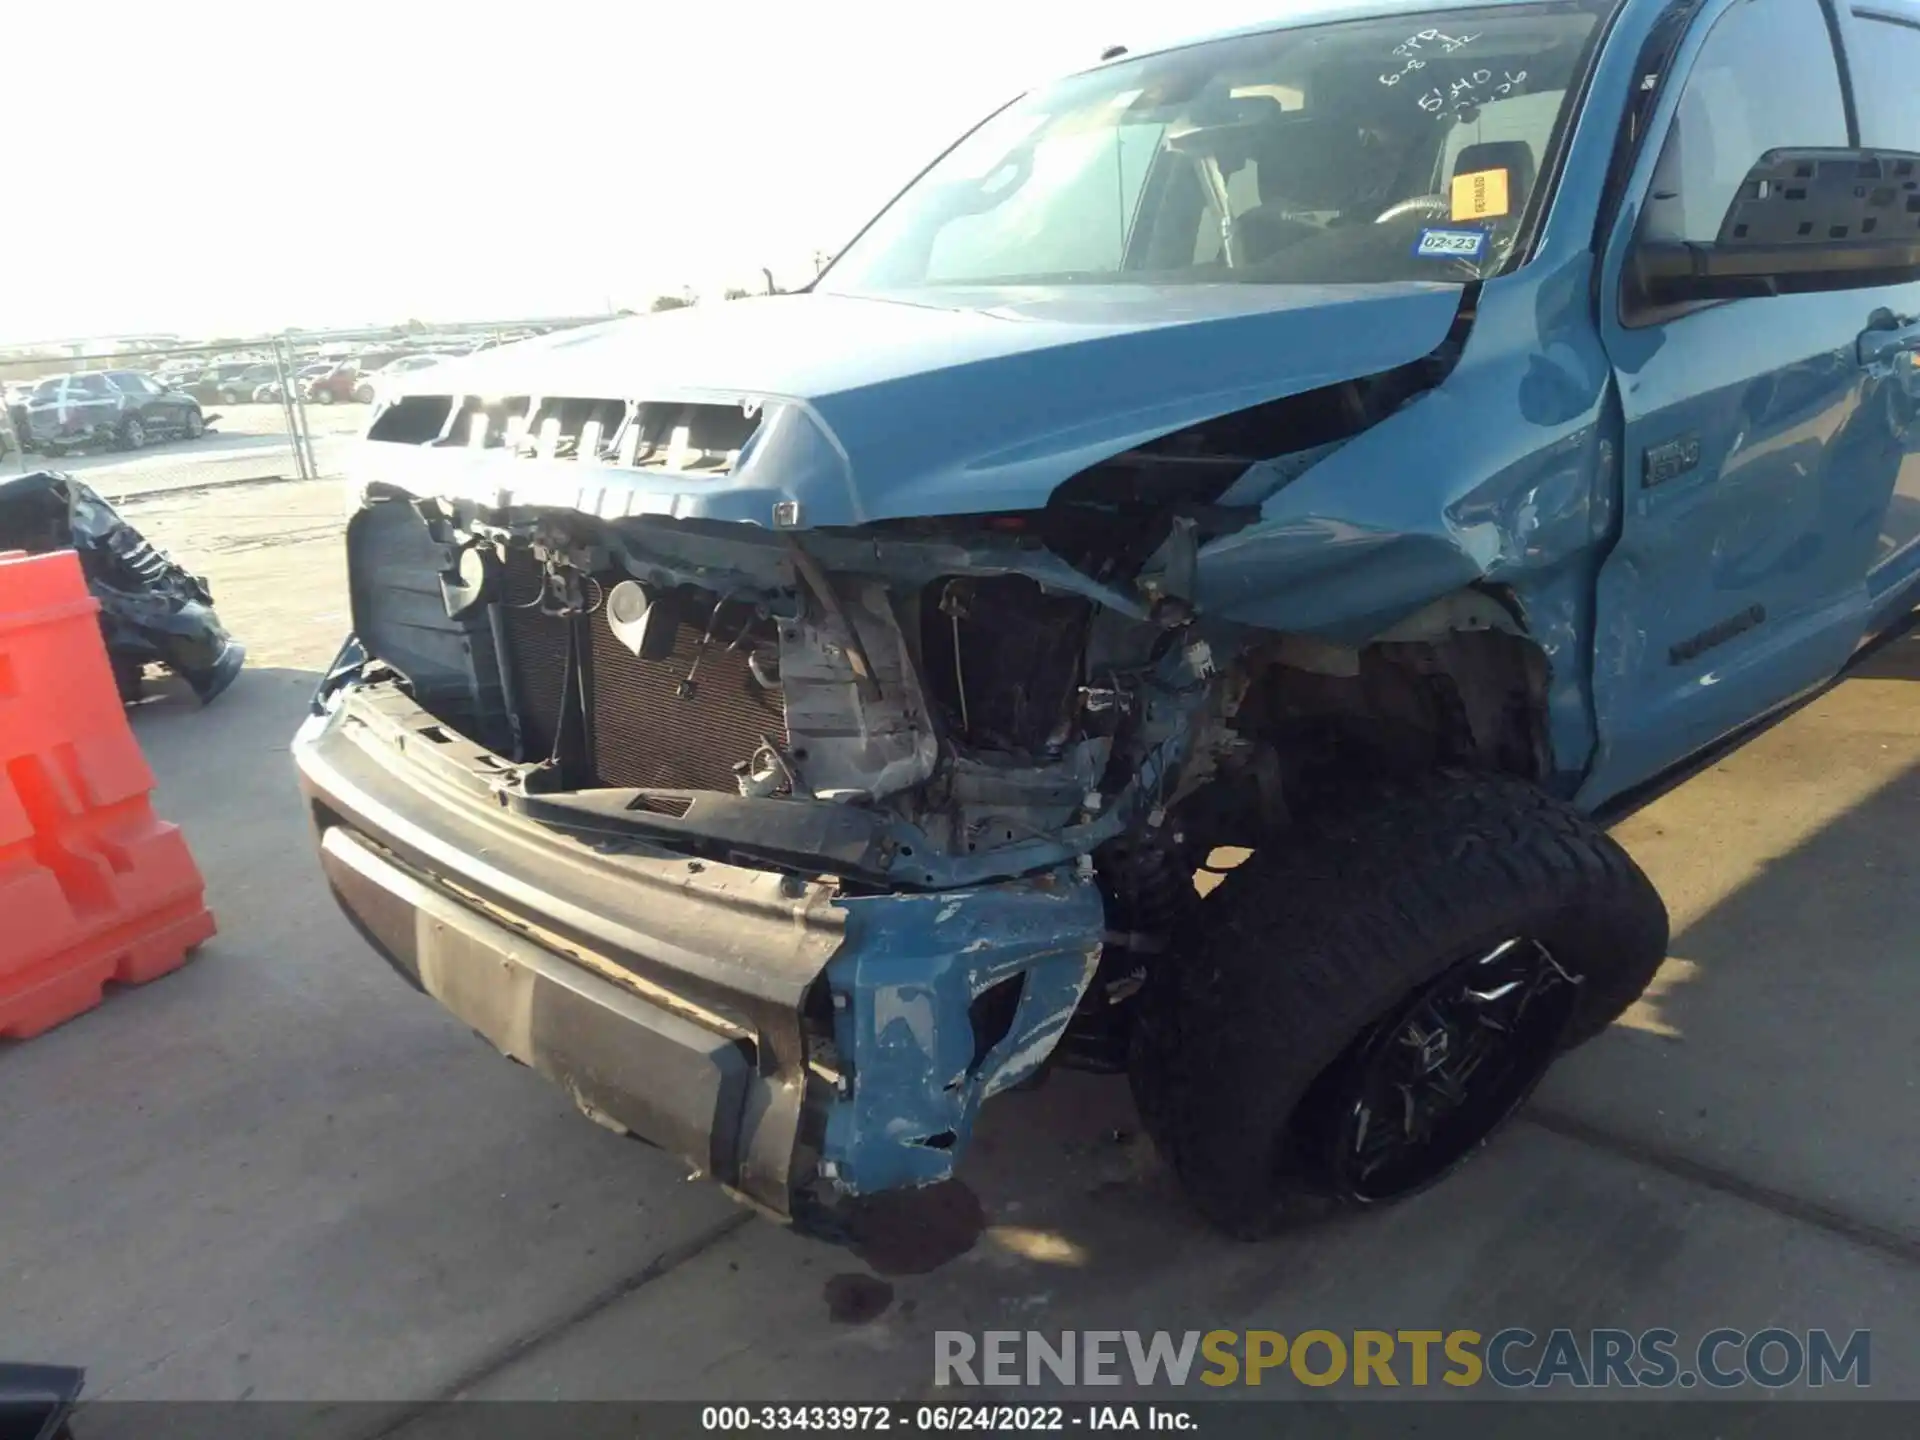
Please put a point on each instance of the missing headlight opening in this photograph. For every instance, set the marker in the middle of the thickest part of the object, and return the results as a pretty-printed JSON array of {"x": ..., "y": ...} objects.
[{"x": 703, "y": 439}]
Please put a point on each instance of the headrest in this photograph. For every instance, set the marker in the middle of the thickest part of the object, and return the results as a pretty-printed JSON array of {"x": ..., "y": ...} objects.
[
  {"x": 1311, "y": 164},
  {"x": 1513, "y": 156}
]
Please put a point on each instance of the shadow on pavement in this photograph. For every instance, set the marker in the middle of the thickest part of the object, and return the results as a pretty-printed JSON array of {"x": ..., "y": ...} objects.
[{"x": 1777, "y": 1043}]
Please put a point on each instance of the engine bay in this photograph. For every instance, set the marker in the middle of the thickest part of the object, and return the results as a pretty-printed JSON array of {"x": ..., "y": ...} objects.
[{"x": 704, "y": 685}]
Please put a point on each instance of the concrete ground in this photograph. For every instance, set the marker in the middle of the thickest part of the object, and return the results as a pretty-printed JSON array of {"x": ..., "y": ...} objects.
[{"x": 280, "y": 1174}]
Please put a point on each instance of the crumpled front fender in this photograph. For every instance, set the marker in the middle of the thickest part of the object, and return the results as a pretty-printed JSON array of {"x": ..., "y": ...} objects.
[
  {"x": 903, "y": 984},
  {"x": 1507, "y": 473}
]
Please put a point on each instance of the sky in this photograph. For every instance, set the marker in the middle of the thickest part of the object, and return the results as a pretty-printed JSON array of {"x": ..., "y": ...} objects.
[{"x": 251, "y": 167}]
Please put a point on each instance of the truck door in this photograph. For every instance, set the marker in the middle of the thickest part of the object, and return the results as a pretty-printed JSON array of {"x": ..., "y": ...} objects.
[
  {"x": 1755, "y": 466},
  {"x": 1883, "y": 61}
]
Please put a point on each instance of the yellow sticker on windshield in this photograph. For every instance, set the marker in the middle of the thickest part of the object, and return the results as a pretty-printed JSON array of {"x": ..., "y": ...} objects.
[{"x": 1480, "y": 195}]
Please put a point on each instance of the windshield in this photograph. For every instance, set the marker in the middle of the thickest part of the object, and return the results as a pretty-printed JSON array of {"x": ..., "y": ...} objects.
[{"x": 1404, "y": 148}]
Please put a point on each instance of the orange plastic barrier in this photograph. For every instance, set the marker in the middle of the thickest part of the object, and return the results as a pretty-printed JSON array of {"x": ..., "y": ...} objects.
[{"x": 93, "y": 887}]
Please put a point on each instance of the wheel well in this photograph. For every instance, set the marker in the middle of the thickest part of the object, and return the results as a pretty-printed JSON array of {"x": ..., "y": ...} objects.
[{"x": 1460, "y": 683}]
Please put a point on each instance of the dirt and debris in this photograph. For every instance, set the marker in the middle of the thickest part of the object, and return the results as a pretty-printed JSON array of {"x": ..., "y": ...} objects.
[
  {"x": 912, "y": 1232},
  {"x": 855, "y": 1299}
]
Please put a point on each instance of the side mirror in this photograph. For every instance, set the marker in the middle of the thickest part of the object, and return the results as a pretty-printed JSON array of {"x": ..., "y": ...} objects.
[{"x": 1802, "y": 220}]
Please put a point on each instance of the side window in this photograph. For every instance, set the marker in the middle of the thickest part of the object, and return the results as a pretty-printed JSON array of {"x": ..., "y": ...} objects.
[
  {"x": 1885, "y": 61},
  {"x": 1765, "y": 79}
]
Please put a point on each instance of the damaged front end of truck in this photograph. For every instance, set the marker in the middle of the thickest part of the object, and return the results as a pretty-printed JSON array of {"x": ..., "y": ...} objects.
[
  {"x": 889, "y": 812},
  {"x": 789, "y": 723}
]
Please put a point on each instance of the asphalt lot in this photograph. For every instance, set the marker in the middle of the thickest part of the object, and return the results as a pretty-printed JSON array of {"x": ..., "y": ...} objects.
[{"x": 280, "y": 1174}]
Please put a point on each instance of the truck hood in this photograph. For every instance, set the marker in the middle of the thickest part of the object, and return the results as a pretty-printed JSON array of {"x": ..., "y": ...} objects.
[{"x": 884, "y": 408}]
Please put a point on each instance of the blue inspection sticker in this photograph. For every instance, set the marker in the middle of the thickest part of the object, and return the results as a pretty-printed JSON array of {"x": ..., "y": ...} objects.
[{"x": 1450, "y": 244}]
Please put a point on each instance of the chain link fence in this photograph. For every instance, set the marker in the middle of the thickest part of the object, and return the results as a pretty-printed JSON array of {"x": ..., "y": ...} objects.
[{"x": 146, "y": 418}]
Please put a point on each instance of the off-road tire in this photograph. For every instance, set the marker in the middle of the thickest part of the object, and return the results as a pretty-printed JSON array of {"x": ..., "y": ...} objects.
[{"x": 1327, "y": 930}]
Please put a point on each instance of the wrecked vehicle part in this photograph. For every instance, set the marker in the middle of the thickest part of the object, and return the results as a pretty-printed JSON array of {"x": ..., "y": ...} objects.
[
  {"x": 704, "y": 1019},
  {"x": 993, "y": 813},
  {"x": 968, "y": 637},
  {"x": 1020, "y": 725},
  {"x": 152, "y": 610},
  {"x": 1519, "y": 494},
  {"x": 828, "y": 450},
  {"x": 941, "y": 1001}
]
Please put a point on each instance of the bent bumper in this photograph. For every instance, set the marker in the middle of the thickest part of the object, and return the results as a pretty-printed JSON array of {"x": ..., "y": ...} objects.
[{"x": 774, "y": 1033}]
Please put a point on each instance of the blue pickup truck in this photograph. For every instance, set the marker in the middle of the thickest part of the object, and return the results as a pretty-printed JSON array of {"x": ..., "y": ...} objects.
[{"x": 1172, "y": 599}]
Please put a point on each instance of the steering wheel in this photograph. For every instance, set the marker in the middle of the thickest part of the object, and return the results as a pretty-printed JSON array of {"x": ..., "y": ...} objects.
[{"x": 1438, "y": 207}]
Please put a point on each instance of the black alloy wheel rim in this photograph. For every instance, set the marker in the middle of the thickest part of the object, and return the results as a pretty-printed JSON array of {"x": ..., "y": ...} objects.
[{"x": 1423, "y": 1088}]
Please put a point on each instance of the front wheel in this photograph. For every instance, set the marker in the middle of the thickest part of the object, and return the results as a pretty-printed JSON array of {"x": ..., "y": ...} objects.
[
  {"x": 196, "y": 424},
  {"x": 325, "y": 397},
  {"x": 229, "y": 397},
  {"x": 1370, "y": 999}
]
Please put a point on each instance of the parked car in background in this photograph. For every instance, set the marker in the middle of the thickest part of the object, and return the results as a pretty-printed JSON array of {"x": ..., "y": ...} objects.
[
  {"x": 367, "y": 361},
  {"x": 118, "y": 409},
  {"x": 334, "y": 386},
  {"x": 16, "y": 400},
  {"x": 179, "y": 372},
  {"x": 270, "y": 392},
  {"x": 367, "y": 389},
  {"x": 338, "y": 385},
  {"x": 232, "y": 381}
]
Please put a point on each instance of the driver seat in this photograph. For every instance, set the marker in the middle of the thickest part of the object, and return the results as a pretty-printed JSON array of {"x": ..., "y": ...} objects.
[{"x": 1302, "y": 167}]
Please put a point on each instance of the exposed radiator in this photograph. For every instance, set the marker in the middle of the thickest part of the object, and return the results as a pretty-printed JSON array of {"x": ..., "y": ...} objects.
[{"x": 640, "y": 732}]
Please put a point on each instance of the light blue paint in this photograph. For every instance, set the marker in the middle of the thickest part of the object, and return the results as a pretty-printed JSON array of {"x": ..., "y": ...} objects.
[
  {"x": 902, "y": 982},
  {"x": 1801, "y": 445},
  {"x": 876, "y": 409}
]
